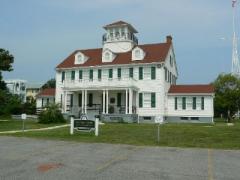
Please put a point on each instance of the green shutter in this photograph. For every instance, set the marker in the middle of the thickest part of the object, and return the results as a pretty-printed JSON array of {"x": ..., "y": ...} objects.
[
  {"x": 140, "y": 73},
  {"x": 153, "y": 100},
  {"x": 131, "y": 72},
  {"x": 165, "y": 69},
  {"x": 153, "y": 72},
  {"x": 63, "y": 76},
  {"x": 90, "y": 99},
  {"x": 99, "y": 74},
  {"x": 176, "y": 105},
  {"x": 80, "y": 74},
  {"x": 91, "y": 74},
  {"x": 119, "y": 72},
  {"x": 140, "y": 100},
  {"x": 184, "y": 103},
  {"x": 71, "y": 100},
  {"x": 194, "y": 103},
  {"x": 119, "y": 99},
  {"x": 80, "y": 100},
  {"x": 202, "y": 103},
  {"x": 110, "y": 73},
  {"x": 73, "y": 75}
]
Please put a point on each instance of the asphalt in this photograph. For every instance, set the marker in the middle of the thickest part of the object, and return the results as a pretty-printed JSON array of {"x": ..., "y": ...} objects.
[{"x": 32, "y": 159}]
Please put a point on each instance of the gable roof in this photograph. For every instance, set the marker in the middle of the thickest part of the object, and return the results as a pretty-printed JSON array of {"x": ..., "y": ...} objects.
[
  {"x": 154, "y": 53},
  {"x": 194, "y": 88},
  {"x": 47, "y": 92},
  {"x": 120, "y": 23}
]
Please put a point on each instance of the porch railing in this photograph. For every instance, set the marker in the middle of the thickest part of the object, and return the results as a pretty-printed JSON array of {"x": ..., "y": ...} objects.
[{"x": 110, "y": 82}]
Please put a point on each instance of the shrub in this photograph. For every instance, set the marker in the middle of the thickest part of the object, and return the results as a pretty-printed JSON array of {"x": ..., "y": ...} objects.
[{"x": 52, "y": 114}]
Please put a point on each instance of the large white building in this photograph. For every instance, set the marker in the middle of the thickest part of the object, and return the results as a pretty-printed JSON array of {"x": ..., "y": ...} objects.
[
  {"x": 125, "y": 81},
  {"x": 18, "y": 87}
]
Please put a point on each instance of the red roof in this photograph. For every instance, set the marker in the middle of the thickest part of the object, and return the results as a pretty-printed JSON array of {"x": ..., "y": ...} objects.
[
  {"x": 154, "y": 53},
  {"x": 47, "y": 92},
  {"x": 203, "y": 88}
]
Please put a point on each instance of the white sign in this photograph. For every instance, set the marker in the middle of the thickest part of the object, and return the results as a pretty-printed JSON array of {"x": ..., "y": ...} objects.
[
  {"x": 24, "y": 116},
  {"x": 159, "y": 119}
]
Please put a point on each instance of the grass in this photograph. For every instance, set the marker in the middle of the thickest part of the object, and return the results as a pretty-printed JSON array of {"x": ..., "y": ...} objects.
[
  {"x": 7, "y": 124},
  {"x": 218, "y": 136}
]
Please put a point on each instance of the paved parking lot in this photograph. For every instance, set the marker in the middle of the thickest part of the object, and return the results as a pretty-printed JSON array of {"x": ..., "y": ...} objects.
[{"x": 32, "y": 159}]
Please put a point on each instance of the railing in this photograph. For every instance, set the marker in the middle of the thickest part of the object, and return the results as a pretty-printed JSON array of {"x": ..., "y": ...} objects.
[
  {"x": 91, "y": 83},
  {"x": 128, "y": 36}
]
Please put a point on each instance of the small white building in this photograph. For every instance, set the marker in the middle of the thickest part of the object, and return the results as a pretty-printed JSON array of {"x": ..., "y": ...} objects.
[
  {"x": 44, "y": 98},
  {"x": 18, "y": 87},
  {"x": 123, "y": 80}
]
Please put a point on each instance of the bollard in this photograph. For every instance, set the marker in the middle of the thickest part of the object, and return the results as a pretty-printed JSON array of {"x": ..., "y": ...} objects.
[
  {"x": 71, "y": 125},
  {"x": 23, "y": 117},
  {"x": 96, "y": 126}
]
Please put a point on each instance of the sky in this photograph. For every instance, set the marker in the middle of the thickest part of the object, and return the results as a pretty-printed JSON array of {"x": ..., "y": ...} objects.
[{"x": 41, "y": 34}]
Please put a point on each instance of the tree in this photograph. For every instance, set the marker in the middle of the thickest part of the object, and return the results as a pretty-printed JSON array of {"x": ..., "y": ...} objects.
[
  {"x": 52, "y": 114},
  {"x": 227, "y": 95},
  {"x": 6, "y": 61},
  {"x": 49, "y": 84}
]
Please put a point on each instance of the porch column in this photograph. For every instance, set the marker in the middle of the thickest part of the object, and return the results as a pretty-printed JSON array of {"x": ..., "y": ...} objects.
[
  {"x": 126, "y": 111},
  {"x": 82, "y": 102},
  {"x": 130, "y": 100},
  {"x": 104, "y": 98},
  {"x": 107, "y": 101},
  {"x": 85, "y": 104},
  {"x": 137, "y": 101}
]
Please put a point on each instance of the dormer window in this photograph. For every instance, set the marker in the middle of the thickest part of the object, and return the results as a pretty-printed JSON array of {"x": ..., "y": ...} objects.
[
  {"x": 108, "y": 56},
  {"x": 80, "y": 58},
  {"x": 138, "y": 54}
]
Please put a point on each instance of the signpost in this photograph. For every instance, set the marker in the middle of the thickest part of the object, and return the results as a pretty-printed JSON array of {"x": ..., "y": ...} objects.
[
  {"x": 159, "y": 120},
  {"x": 23, "y": 117}
]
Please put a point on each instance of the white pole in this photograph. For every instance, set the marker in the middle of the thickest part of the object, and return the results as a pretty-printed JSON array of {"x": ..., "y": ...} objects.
[
  {"x": 104, "y": 98},
  {"x": 72, "y": 125},
  {"x": 107, "y": 101},
  {"x": 130, "y": 100},
  {"x": 96, "y": 126},
  {"x": 126, "y": 111}
]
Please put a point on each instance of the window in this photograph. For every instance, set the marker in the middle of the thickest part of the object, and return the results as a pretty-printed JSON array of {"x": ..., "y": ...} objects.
[
  {"x": 91, "y": 74},
  {"x": 195, "y": 118},
  {"x": 137, "y": 54},
  {"x": 119, "y": 99},
  {"x": 140, "y": 73},
  {"x": 80, "y": 74},
  {"x": 153, "y": 100},
  {"x": 184, "y": 118},
  {"x": 147, "y": 100},
  {"x": 202, "y": 103},
  {"x": 184, "y": 103},
  {"x": 80, "y": 100},
  {"x": 131, "y": 72},
  {"x": 90, "y": 99},
  {"x": 170, "y": 78},
  {"x": 47, "y": 101},
  {"x": 73, "y": 75},
  {"x": 99, "y": 74},
  {"x": 80, "y": 58},
  {"x": 147, "y": 118},
  {"x": 194, "y": 103},
  {"x": 147, "y": 73},
  {"x": 176, "y": 103},
  {"x": 153, "y": 72},
  {"x": 107, "y": 56},
  {"x": 119, "y": 72},
  {"x": 140, "y": 100},
  {"x": 63, "y": 76},
  {"x": 110, "y": 73},
  {"x": 171, "y": 61}
]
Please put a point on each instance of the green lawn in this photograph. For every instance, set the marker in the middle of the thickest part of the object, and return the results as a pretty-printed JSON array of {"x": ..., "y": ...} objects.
[
  {"x": 7, "y": 124},
  {"x": 175, "y": 135}
]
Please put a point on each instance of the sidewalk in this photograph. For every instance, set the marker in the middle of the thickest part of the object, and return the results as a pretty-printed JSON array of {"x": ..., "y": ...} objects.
[{"x": 29, "y": 130}]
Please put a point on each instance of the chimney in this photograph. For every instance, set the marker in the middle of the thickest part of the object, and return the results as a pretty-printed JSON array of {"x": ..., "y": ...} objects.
[{"x": 169, "y": 39}]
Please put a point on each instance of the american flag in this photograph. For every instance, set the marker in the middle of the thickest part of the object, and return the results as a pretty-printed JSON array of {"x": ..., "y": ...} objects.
[{"x": 233, "y": 3}]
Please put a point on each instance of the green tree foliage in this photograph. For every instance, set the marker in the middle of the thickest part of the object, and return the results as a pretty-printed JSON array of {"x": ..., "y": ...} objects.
[
  {"x": 227, "y": 95},
  {"x": 52, "y": 114},
  {"x": 6, "y": 61},
  {"x": 49, "y": 84}
]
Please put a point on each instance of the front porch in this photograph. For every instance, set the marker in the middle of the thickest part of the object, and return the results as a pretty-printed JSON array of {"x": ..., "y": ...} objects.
[{"x": 113, "y": 105}]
